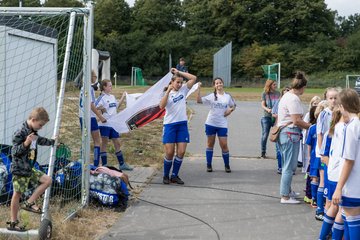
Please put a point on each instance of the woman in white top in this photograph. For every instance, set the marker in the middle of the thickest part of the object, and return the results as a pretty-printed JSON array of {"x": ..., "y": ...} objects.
[
  {"x": 347, "y": 192},
  {"x": 108, "y": 104},
  {"x": 222, "y": 105},
  {"x": 290, "y": 118},
  {"x": 175, "y": 131}
]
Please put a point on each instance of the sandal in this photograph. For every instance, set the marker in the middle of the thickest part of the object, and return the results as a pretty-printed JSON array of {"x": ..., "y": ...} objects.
[
  {"x": 13, "y": 226},
  {"x": 31, "y": 207}
]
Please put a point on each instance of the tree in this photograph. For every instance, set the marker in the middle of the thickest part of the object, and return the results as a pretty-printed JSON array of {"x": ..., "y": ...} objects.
[
  {"x": 157, "y": 16},
  {"x": 63, "y": 3},
  {"x": 112, "y": 15}
]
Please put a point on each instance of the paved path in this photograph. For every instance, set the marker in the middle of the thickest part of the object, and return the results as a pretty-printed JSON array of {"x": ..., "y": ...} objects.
[{"x": 241, "y": 205}]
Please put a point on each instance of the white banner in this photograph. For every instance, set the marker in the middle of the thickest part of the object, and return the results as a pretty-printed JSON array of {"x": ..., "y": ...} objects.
[{"x": 144, "y": 110}]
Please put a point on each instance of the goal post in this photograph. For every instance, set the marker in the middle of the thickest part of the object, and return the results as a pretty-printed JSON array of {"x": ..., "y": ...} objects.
[
  {"x": 42, "y": 51},
  {"x": 350, "y": 83},
  {"x": 273, "y": 72}
]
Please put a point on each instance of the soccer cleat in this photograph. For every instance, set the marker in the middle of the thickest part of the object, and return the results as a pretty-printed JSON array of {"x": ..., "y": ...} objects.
[
  {"x": 227, "y": 169},
  {"x": 176, "y": 180},
  {"x": 307, "y": 200},
  {"x": 166, "y": 180},
  {"x": 126, "y": 167},
  {"x": 209, "y": 168},
  {"x": 319, "y": 216},
  {"x": 289, "y": 201}
]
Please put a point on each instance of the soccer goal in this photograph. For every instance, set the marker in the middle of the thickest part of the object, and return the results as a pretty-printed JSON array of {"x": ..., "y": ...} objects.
[
  {"x": 351, "y": 80},
  {"x": 137, "y": 78},
  {"x": 42, "y": 52},
  {"x": 273, "y": 72}
]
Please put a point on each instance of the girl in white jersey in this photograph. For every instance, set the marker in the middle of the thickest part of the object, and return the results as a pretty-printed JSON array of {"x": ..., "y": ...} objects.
[
  {"x": 109, "y": 105},
  {"x": 175, "y": 131},
  {"x": 95, "y": 133},
  {"x": 222, "y": 105},
  {"x": 335, "y": 163},
  {"x": 347, "y": 191},
  {"x": 322, "y": 130}
]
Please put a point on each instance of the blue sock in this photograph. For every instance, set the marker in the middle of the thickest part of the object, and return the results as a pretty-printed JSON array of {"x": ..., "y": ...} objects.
[
  {"x": 103, "y": 156},
  {"x": 209, "y": 156},
  {"x": 226, "y": 157},
  {"x": 326, "y": 227},
  {"x": 354, "y": 226},
  {"x": 346, "y": 227},
  {"x": 120, "y": 157},
  {"x": 314, "y": 189},
  {"x": 96, "y": 155},
  {"x": 337, "y": 231},
  {"x": 176, "y": 166},
  {"x": 320, "y": 200},
  {"x": 167, "y": 167}
]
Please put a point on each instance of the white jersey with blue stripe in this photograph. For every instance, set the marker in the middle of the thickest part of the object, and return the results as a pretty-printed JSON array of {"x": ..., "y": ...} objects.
[
  {"x": 81, "y": 102},
  {"x": 218, "y": 107},
  {"x": 322, "y": 127},
  {"x": 109, "y": 103},
  {"x": 175, "y": 109},
  {"x": 335, "y": 156},
  {"x": 351, "y": 151}
]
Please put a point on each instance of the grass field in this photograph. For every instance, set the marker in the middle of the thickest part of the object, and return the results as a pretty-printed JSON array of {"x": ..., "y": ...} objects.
[{"x": 141, "y": 147}]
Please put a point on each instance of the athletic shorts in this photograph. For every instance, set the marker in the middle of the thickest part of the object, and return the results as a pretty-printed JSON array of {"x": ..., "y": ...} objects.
[
  {"x": 350, "y": 202},
  {"x": 314, "y": 167},
  {"x": 94, "y": 124},
  {"x": 108, "y": 132},
  {"x": 176, "y": 132},
  {"x": 211, "y": 130},
  {"x": 331, "y": 189},
  {"x": 21, "y": 183}
]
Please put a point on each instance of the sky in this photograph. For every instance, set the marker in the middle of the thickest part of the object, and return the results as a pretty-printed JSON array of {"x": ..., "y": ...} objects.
[{"x": 344, "y": 7}]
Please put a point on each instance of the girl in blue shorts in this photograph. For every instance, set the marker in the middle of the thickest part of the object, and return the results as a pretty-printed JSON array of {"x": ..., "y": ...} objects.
[
  {"x": 175, "y": 130},
  {"x": 335, "y": 163},
  {"x": 95, "y": 113},
  {"x": 108, "y": 104},
  {"x": 221, "y": 106},
  {"x": 347, "y": 192}
]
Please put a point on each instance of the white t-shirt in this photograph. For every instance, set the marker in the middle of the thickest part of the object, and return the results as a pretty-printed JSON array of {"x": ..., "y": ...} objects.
[
  {"x": 351, "y": 151},
  {"x": 335, "y": 160},
  {"x": 81, "y": 102},
  {"x": 216, "y": 114},
  {"x": 109, "y": 102},
  {"x": 289, "y": 104},
  {"x": 322, "y": 127},
  {"x": 175, "y": 109}
]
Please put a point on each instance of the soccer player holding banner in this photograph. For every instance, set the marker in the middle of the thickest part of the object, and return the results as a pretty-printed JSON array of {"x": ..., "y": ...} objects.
[{"x": 175, "y": 131}]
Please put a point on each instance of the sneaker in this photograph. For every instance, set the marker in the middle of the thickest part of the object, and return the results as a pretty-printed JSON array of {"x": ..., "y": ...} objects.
[
  {"x": 299, "y": 164},
  {"x": 289, "y": 201},
  {"x": 313, "y": 203},
  {"x": 279, "y": 170},
  {"x": 319, "y": 216},
  {"x": 307, "y": 200},
  {"x": 263, "y": 155},
  {"x": 227, "y": 169},
  {"x": 209, "y": 168},
  {"x": 126, "y": 167},
  {"x": 177, "y": 180},
  {"x": 166, "y": 180},
  {"x": 294, "y": 194}
]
